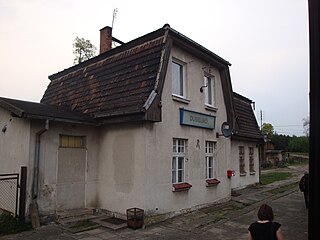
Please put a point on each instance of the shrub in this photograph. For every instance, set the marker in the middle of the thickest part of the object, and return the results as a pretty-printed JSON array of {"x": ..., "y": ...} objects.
[{"x": 10, "y": 225}]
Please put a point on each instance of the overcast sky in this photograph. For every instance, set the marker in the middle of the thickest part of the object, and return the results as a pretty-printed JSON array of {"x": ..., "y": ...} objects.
[{"x": 266, "y": 41}]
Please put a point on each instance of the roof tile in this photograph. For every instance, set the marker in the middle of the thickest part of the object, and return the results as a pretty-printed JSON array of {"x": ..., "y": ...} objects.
[
  {"x": 118, "y": 84},
  {"x": 246, "y": 120}
]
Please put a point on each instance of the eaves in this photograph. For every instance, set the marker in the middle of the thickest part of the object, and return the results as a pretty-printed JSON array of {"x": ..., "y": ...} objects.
[
  {"x": 195, "y": 48},
  {"x": 247, "y": 138}
]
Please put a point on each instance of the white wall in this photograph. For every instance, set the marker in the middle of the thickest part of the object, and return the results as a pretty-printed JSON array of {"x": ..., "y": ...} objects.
[
  {"x": 122, "y": 167},
  {"x": 159, "y": 195},
  {"x": 14, "y": 142},
  {"x": 135, "y": 159},
  {"x": 14, "y": 147}
]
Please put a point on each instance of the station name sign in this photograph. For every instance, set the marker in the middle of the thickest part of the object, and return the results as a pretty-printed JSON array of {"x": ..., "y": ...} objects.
[{"x": 197, "y": 119}]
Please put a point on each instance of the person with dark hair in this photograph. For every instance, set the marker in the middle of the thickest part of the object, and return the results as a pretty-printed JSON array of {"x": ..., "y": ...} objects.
[
  {"x": 304, "y": 187},
  {"x": 265, "y": 228}
]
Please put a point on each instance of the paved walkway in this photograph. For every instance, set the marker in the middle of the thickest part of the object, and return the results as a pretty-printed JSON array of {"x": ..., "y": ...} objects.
[{"x": 224, "y": 221}]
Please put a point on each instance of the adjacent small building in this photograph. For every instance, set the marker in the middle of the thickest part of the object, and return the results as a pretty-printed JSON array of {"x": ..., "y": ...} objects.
[
  {"x": 247, "y": 144},
  {"x": 153, "y": 123},
  {"x": 273, "y": 157}
]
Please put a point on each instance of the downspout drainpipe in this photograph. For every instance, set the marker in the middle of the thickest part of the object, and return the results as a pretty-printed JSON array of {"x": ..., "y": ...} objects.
[
  {"x": 37, "y": 160},
  {"x": 35, "y": 187}
]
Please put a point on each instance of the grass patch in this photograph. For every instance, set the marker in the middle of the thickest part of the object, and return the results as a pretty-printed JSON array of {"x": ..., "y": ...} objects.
[
  {"x": 284, "y": 188},
  {"x": 270, "y": 177},
  {"x": 10, "y": 225},
  {"x": 299, "y": 158},
  {"x": 299, "y": 154},
  {"x": 298, "y": 161},
  {"x": 220, "y": 214}
]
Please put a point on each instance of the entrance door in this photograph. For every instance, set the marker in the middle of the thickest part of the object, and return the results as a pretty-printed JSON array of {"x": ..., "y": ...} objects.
[{"x": 71, "y": 178}]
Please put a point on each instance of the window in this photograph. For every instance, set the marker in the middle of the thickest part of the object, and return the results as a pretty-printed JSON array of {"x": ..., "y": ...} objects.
[
  {"x": 178, "y": 86},
  {"x": 209, "y": 153},
  {"x": 209, "y": 90},
  {"x": 178, "y": 160},
  {"x": 241, "y": 161},
  {"x": 67, "y": 141},
  {"x": 251, "y": 159}
]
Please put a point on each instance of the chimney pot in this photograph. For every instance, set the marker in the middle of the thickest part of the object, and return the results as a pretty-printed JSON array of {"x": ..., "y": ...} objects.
[{"x": 105, "y": 39}]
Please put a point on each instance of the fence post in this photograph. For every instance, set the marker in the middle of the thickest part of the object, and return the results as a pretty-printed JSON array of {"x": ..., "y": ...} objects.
[{"x": 22, "y": 199}]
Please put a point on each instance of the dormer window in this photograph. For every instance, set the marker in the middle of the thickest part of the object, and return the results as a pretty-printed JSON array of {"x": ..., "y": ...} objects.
[
  {"x": 209, "y": 90},
  {"x": 178, "y": 79}
]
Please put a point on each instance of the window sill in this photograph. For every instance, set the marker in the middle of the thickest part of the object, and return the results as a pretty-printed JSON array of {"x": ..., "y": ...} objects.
[
  {"x": 180, "y": 99},
  {"x": 178, "y": 187},
  {"x": 210, "y": 107},
  {"x": 253, "y": 173},
  {"x": 212, "y": 182},
  {"x": 242, "y": 174}
]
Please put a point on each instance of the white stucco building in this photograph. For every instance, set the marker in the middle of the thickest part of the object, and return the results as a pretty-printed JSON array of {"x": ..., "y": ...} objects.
[{"x": 137, "y": 126}]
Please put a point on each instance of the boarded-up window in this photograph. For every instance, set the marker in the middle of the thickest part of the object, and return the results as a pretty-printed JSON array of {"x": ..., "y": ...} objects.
[
  {"x": 241, "y": 160},
  {"x": 68, "y": 141},
  {"x": 251, "y": 159}
]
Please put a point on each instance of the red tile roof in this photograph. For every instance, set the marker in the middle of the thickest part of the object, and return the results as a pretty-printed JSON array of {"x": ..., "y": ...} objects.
[
  {"x": 115, "y": 83},
  {"x": 126, "y": 83}
]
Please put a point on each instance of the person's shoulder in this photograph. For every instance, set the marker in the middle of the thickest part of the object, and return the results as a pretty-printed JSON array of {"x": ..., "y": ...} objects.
[
  {"x": 277, "y": 225},
  {"x": 252, "y": 225}
]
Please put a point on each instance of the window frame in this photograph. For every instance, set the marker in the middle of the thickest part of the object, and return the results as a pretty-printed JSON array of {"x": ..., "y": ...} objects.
[
  {"x": 182, "y": 79},
  {"x": 179, "y": 151},
  {"x": 209, "y": 158},
  {"x": 72, "y": 141},
  {"x": 209, "y": 90}
]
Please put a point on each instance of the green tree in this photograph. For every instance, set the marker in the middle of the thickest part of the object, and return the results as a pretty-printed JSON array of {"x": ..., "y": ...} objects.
[
  {"x": 267, "y": 129},
  {"x": 281, "y": 141},
  {"x": 83, "y": 50},
  {"x": 298, "y": 144}
]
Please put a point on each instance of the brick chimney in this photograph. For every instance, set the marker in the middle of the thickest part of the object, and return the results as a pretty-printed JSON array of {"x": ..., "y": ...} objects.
[{"x": 105, "y": 39}]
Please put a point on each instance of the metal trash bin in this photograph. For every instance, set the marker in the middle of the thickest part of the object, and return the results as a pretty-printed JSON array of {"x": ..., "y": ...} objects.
[{"x": 135, "y": 218}]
